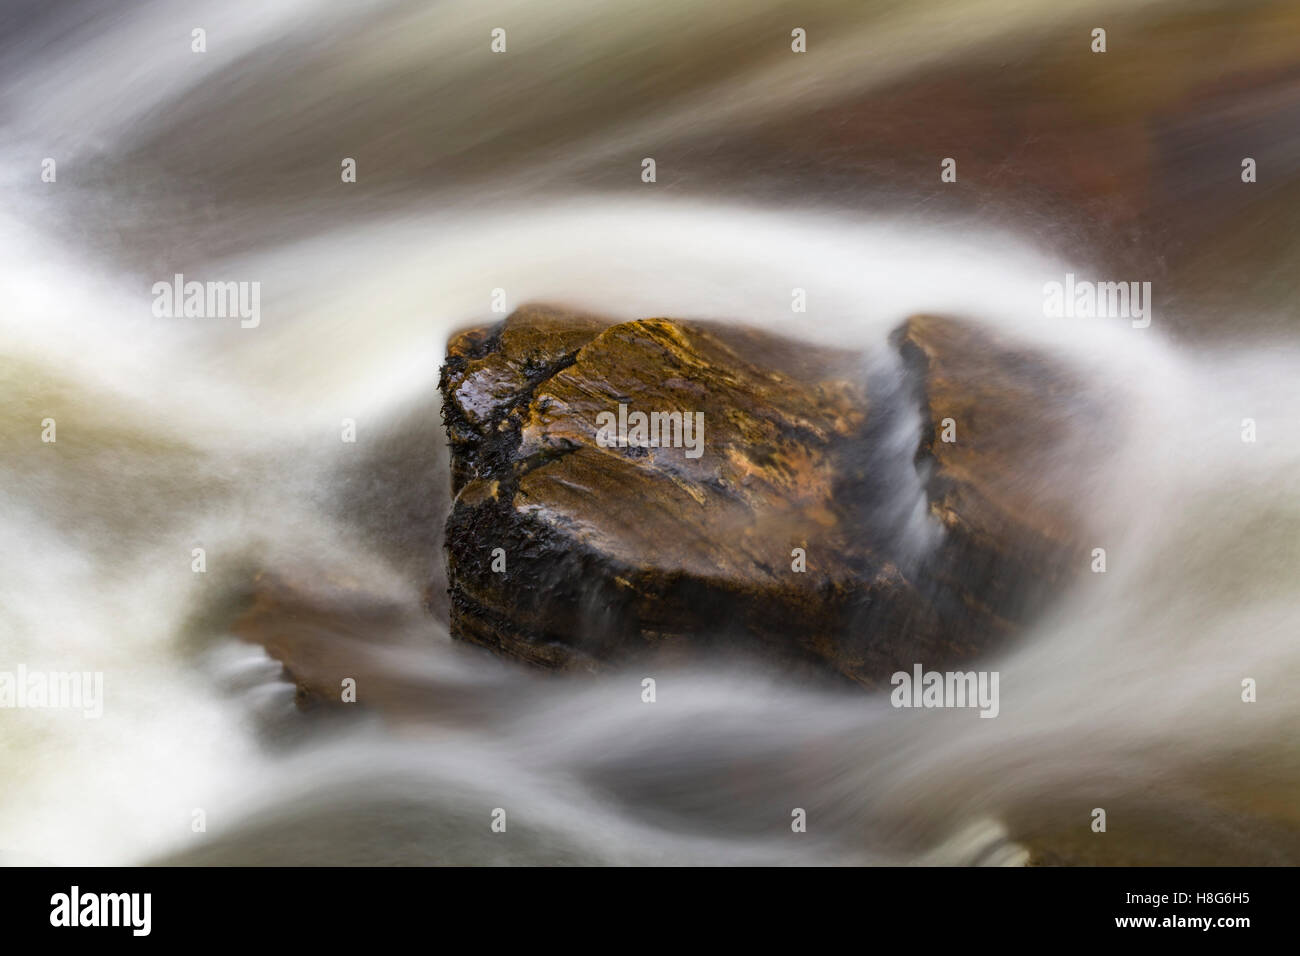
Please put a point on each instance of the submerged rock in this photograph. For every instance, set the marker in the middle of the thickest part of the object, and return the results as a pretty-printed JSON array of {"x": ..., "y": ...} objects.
[
  {"x": 806, "y": 527},
  {"x": 316, "y": 626},
  {"x": 346, "y": 643}
]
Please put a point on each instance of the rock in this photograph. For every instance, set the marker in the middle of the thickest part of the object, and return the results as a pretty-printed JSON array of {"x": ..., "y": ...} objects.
[
  {"x": 621, "y": 554},
  {"x": 324, "y": 626},
  {"x": 311, "y": 624},
  {"x": 1022, "y": 424}
]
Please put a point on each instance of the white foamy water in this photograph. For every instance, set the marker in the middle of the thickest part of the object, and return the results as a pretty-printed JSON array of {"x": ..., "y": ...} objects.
[{"x": 183, "y": 433}]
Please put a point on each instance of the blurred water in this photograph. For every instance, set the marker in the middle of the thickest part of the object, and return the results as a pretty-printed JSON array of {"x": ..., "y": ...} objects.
[{"x": 176, "y": 433}]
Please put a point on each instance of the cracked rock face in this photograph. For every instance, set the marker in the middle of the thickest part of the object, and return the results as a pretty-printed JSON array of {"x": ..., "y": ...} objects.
[{"x": 800, "y": 531}]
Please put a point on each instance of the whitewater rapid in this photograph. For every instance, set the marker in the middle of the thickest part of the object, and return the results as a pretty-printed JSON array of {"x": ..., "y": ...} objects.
[{"x": 188, "y": 431}]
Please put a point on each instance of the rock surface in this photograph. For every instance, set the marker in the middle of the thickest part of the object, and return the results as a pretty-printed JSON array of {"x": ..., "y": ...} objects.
[
  {"x": 613, "y": 554},
  {"x": 1020, "y": 423},
  {"x": 325, "y": 626}
]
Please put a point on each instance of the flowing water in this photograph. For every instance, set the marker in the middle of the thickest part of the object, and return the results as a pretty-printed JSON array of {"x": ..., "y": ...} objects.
[{"x": 174, "y": 434}]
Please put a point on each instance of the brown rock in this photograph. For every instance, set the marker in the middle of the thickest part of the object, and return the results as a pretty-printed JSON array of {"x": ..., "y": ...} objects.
[
  {"x": 619, "y": 553},
  {"x": 1001, "y": 490},
  {"x": 324, "y": 627}
]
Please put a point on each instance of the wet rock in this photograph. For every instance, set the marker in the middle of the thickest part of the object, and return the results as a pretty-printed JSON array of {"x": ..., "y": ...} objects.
[
  {"x": 1002, "y": 489},
  {"x": 802, "y": 532},
  {"x": 325, "y": 627}
]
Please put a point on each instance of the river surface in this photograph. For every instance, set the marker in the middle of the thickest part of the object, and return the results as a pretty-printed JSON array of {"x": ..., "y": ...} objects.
[{"x": 521, "y": 172}]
